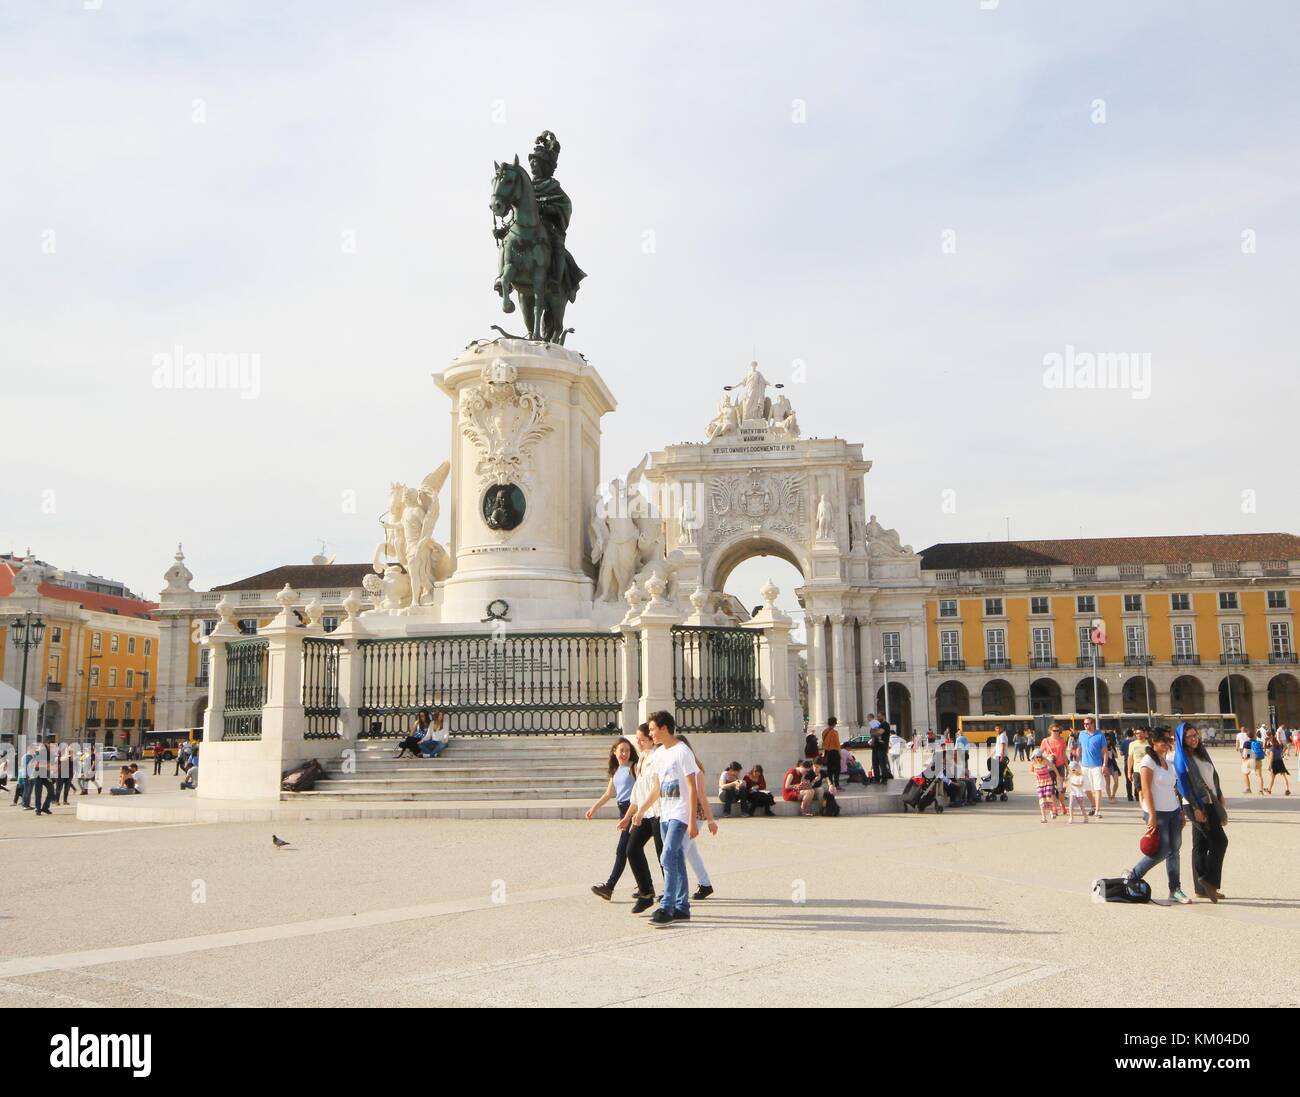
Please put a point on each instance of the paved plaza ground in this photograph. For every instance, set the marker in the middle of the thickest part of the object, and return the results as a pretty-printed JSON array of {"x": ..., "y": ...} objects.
[{"x": 981, "y": 906}]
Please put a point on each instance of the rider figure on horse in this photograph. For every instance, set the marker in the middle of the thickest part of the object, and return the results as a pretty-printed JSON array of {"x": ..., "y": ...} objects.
[{"x": 555, "y": 210}]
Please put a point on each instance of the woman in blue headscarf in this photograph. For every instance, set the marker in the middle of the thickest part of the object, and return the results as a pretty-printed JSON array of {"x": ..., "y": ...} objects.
[{"x": 1203, "y": 804}]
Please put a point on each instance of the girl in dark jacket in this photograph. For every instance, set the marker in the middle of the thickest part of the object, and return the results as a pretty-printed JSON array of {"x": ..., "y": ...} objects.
[{"x": 1203, "y": 804}]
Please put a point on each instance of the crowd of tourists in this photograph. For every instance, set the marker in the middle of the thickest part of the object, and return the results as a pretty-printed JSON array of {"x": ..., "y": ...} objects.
[
  {"x": 45, "y": 774},
  {"x": 1170, "y": 775}
]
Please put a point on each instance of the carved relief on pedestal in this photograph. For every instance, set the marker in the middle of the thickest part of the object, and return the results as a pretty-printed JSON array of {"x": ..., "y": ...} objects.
[
  {"x": 504, "y": 418},
  {"x": 753, "y": 501}
]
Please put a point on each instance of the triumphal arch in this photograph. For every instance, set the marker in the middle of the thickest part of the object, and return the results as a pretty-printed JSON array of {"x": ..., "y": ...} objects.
[{"x": 756, "y": 485}]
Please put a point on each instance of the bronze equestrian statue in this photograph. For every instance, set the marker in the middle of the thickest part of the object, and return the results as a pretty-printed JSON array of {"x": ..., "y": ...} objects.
[{"x": 532, "y": 244}]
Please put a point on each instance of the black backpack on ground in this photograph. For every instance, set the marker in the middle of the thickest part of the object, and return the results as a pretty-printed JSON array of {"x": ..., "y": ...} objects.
[
  {"x": 1118, "y": 889},
  {"x": 830, "y": 806}
]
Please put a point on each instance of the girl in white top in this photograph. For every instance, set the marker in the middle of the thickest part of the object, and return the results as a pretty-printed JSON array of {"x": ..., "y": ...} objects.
[
  {"x": 1078, "y": 794},
  {"x": 1163, "y": 808}
]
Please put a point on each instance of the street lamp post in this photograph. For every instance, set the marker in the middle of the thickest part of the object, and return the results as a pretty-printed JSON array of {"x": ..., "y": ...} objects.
[
  {"x": 27, "y": 632},
  {"x": 883, "y": 664}
]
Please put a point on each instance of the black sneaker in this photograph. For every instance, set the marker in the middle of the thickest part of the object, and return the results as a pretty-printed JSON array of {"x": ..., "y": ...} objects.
[
  {"x": 661, "y": 918},
  {"x": 702, "y": 892},
  {"x": 603, "y": 890},
  {"x": 642, "y": 904},
  {"x": 681, "y": 916}
]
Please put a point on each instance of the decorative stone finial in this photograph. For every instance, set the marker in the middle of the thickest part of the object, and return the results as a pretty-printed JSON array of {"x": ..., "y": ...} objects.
[
  {"x": 288, "y": 598},
  {"x": 178, "y": 576},
  {"x": 769, "y": 594},
  {"x": 636, "y": 601},
  {"x": 313, "y": 611},
  {"x": 352, "y": 605},
  {"x": 226, "y": 610},
  {"x": 699, "y": 599},
  {"x": 655, "y": 587}
]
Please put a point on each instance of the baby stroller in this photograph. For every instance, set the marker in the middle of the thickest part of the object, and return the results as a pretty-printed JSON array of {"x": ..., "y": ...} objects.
[
  {"x": 999, "y": 781},
  {"x": 922, "y": 792}
]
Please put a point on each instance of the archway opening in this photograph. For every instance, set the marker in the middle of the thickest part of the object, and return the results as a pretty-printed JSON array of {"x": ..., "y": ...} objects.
[
  {"x": 951, "y": 700},
  {"x": 1044, "y": 697},
  {"x": 1187, "y": 694},
  {"x": 1083, "y": 696},
  {"x": 997, "y": 698},
  {"x": 1284, "y": 700},
  {"x": 899, "y": 709},
  {"x": 747, "y": 577},
  {"x": 1138, "y": 695},
  {"x": 1235, "y": 696}
]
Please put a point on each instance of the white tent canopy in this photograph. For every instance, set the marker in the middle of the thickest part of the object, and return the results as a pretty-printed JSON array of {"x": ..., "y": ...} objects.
[{"x": 10, "y": 698}]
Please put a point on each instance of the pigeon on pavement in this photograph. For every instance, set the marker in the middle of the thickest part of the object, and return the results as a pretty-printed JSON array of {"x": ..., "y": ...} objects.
[{"x": 278, "y": 842}]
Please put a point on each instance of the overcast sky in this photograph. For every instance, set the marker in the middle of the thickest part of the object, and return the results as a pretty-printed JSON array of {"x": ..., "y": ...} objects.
[{"x": 921, "y": 202}]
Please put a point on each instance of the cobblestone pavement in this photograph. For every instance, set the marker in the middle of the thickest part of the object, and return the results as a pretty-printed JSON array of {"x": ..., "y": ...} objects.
[{"x": 979, "y": 906}]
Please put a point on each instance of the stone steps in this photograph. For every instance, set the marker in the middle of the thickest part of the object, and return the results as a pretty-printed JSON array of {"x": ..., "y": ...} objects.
[
  {"x": 432, "y": 771},
  {"x": 535, "y": 767},
  {"x": 363, "y": 795}
]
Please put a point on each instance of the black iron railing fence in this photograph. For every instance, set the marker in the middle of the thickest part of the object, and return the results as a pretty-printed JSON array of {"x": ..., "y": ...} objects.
[
  {"x": 521, "y": 683},
  {"x": 320, "y": 687},
  {"x": 245, "y": 689},
  {"x": 716, "y": 678}
]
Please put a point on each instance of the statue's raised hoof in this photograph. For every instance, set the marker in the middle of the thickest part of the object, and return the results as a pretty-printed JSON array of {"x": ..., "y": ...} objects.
[{"x": 507, "y": 305}]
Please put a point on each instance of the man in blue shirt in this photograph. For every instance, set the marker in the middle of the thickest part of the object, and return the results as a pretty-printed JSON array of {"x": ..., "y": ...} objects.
[{"x": 1091, "y": 751}]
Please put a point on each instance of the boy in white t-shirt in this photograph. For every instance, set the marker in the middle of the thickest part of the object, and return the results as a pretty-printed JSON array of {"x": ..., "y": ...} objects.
[{"x": 674, "y": 793}]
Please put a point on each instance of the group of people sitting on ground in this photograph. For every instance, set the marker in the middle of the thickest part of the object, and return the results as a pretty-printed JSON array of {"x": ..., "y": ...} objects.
[
  {"x": 749, "y": 790},
  {"x": 808, "y": 782},
  {"x": 428, "y": 736},
  {"x": 130, "y": 781}
]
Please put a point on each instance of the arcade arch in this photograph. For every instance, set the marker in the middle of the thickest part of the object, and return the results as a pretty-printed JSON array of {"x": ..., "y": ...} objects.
[{"x": 950, "y": 701}]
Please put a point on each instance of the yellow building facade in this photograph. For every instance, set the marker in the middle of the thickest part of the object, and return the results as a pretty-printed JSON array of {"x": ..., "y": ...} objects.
[
  {"x": 95, "y": 671},
  {"x": 1191, "y": 624}
]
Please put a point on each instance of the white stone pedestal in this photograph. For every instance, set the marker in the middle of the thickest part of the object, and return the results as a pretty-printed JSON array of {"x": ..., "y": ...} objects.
[{"x": 524, "y": 414}]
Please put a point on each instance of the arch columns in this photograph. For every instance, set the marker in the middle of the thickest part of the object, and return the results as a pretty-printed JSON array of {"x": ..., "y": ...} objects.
[
  {"x": 816, "y": 628},
  {"x": 842, "y": 691}
]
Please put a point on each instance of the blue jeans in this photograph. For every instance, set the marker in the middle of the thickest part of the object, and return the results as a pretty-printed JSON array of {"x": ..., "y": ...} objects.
[
  {"x": 674, "y": 865},
  {"x": 432, "y": 750},
  {"x": 1169, "y": 825}
]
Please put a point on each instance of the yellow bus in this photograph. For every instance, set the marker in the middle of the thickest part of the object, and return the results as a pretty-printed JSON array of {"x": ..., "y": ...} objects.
[{"x": 980, "y": 729}]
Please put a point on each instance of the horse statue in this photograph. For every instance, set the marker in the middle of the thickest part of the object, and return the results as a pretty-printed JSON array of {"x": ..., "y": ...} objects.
[{"x": 526, "y": 260}]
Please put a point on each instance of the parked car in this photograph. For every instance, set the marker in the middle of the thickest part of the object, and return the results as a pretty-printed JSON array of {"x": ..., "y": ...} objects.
[{"x": 112, "y": 754}]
